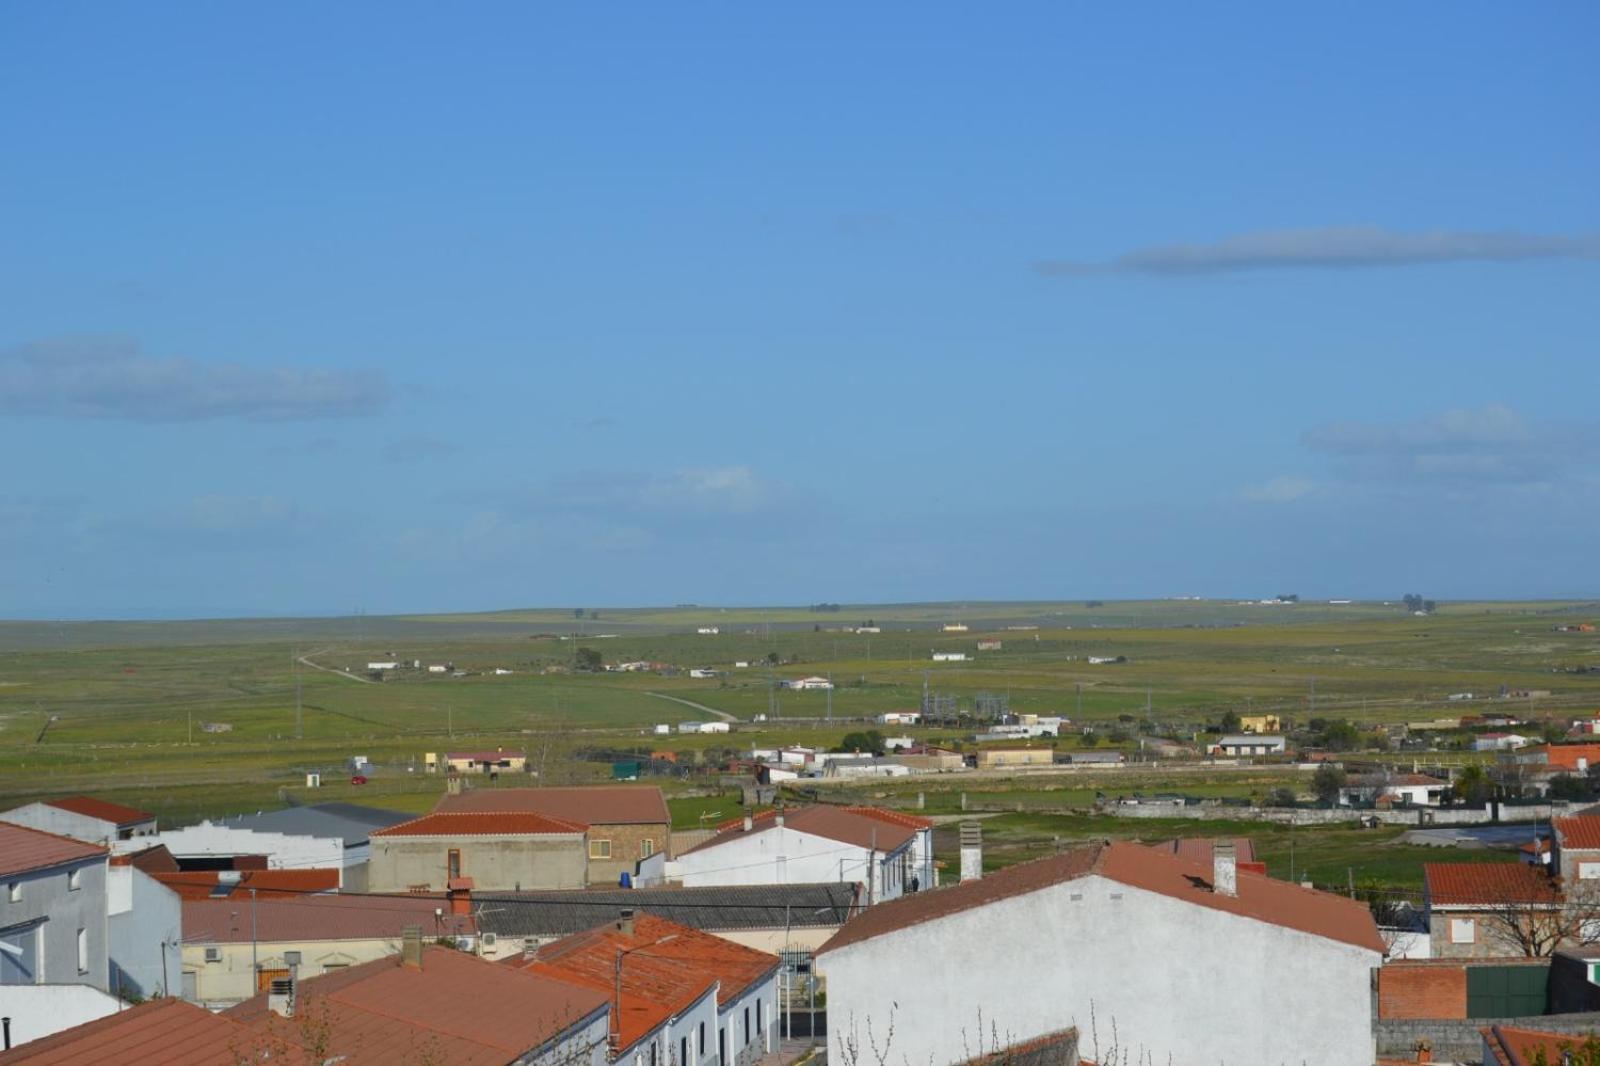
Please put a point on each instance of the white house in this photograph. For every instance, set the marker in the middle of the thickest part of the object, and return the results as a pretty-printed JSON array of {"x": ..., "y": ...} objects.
[
  {"x": 144, "y": 933},
  {"x": 715, "y": 727},
  {"x": 1498, "y": 741},
  {"x": 689, "y": 727},
  {"x": 809, "y": 683},
  {"x": 887, "y": 852},
  {"x": 437, "y": 668},
  {"x": 85, "y": 818},
  {"x": 283, "y": 851},
  {"x": 708, "y": 631},
  {"x": 1414, "y": 790},
  {"x": 52, "y": 909},
  {"x": 702, "y": 673},
  {"x": 899, "y": 718},
  {"x": 1191, "y": 962},
  {"x": 1250, "y": 744},
  {"x": 953, "y": 627},
  {"x": 383, "y": 666},
  {"x": 662, "y": 729},
  {"x": 949, "y": 656}
]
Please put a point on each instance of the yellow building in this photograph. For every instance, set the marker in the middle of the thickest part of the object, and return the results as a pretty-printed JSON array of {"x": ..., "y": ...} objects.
[
  {"x": 1260, "y": 723},
  {"x": 999, "y": 758}
]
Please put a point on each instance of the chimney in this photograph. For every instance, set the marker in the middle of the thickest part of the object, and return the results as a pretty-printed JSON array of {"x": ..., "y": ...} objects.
[
  {"x": 971, "y": 851},
  {"x": 1424, "y": 1051},
  {"x": 460, "y": 895},
  {"x": 749, "y": 821},
  {"x": 625, "y": 922},
  {"x": 411, "y": 947},
  {"x": 280, "y": 997},
  {"x": 1224, "y": 868}
]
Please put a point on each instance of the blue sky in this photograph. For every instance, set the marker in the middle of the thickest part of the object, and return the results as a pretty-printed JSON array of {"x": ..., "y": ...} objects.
[{"x": 414, "y": 307}]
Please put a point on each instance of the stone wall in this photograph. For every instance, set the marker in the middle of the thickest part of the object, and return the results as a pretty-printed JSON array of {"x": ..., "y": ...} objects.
[{"x": 1459, "y": 1039}]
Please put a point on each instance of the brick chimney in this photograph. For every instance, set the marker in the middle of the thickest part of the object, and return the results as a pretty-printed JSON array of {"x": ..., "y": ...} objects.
[
  {"x": 625, "y": 922},
  {"x": 1224, "y": 868},
  {"x": 460, "y": 896},
  {"x": 411, "y": 947},
  {"x": 971, "y": 851}
]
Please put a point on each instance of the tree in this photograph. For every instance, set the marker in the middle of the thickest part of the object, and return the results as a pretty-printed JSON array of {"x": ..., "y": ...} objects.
[
  {"x": 1327, "y": 781},
  {"x": 1578, "y": 1051},
  {"x": 1569, "y": 787},
  {"x": 772, "y": 657},
  {"x": 1552, "y": 732},
  {"x": 1281, "y": 797},
  {"x": 1339, "y": 735},
  {"x": 869, "y": 741},
  {"x": 1089, "y": 739},
  {"x": 1535, "y": 916},
  {"x": 1471, "y": 785},
  {"x": 589, "y": 659},
  {"x": 577, "y": 612},
  {"x": 1230, "y": 721}
]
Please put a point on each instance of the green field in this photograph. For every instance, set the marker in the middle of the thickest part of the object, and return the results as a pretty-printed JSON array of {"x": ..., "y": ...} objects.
[{"x": 121, "y": 709}]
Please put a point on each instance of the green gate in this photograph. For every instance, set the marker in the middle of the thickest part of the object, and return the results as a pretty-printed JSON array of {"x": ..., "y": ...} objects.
[{"x": 1507, "y": 991}]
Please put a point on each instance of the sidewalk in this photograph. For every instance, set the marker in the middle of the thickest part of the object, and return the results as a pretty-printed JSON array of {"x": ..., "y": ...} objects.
[{"x": 792, "y": 1050}]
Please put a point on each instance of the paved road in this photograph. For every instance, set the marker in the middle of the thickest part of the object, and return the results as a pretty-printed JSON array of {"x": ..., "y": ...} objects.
[{"x": 724, "y": 715}]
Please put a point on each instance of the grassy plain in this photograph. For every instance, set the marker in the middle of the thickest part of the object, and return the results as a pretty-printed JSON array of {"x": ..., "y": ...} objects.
[{"x": 121, "y": 709}]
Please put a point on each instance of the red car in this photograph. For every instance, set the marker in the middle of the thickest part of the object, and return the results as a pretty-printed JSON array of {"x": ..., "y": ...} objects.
[{"x": 359, "y": 779}]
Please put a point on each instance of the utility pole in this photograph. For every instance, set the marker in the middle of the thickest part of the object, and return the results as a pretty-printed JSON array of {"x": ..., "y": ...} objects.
[
  {"x": 830, "y": 697},
  {"x": 191, "y": 727},
  {"x": 1313, "y": 697},
  {"x": 1080, "y": 703},
  {"x": 255, "y": 964},
  {"x": 298, "y": 734}
]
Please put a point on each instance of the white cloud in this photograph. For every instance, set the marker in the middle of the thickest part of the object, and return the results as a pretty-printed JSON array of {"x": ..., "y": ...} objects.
[
  {"x": 1284, "y": 488},
  {"x": 112, "y": 378},
  {"x": 1331, "y": 246}
]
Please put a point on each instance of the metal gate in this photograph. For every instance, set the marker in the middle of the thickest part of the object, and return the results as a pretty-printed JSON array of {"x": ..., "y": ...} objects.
[{"x": 1507, "y": 991}]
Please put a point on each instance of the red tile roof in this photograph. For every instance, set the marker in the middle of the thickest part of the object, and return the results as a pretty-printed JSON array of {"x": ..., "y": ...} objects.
[
  {"x": 1517, "y": 1047},
  {"x": 1259, "y": 898},
  {"x": 1581, "y": 831},
  {"x": 670, "y": 967},
  {"x": 334, "y": 917},
  {"x": 844, "y": 824},
  {"x": 162, "y": 1032},
  {"x": 1202, "y": 850},
  {"x": 600, "y": 805},
  {"x": 1566, "y": 756},
  {"x": 1478, "y": 884},
  {"x": 474, "y": 823},
  {"x": 23, "y": 849},
  {"x": 900, "y": 818},
  {"x": 89, "y": 807},
  {"x": 267, "y": 884},
  {"x": 456, "y": 1008}
]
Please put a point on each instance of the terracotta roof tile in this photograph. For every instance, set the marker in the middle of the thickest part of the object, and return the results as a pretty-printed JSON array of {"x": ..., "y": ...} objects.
[
  {"x": 1259, "y": 898},
  {"x": 89, "y": 807},
  {"x": 1566, "y": 756},
  {"x": 600, "y": 805},
  {"x": 670, "y": 967},
  {"x": 332, "y": 917},
  {"x": 267, "y": 884},
  {"x": 480, "y": 823},
  {"x": 162, "y": 1032},
  {"x": 456, "y": 1008},
  {"x": 844, "y": 824},
  {"x": 1581, "y": 831},
  {"x": 1517, "y": 1047},
  {"x": 900, "y": 818},
  {"x": 23, "y": 849},
  {"x": 1472, "y": 884},
  {"x": 1202, "y": 850}
]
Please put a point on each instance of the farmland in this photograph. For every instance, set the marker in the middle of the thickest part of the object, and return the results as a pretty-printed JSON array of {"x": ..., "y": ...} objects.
[{"x": 192, "y": 719}]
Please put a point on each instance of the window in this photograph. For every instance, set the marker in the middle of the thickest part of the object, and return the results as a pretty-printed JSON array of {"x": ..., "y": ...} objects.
[
  {"x": 14, "y": 892},
  {"x": 761, "y": 1014},
  {"x": 700, "y": 1045},
  {"x": 1463, "y": 930},
  {"x": 599, "y": 849},
  {"x": 653, "y": 1053},
  {"x": 74, "y": 880},
  {"x": 1588, "y": 871},
  {"x": 683, "y": 1052},
  {"x": 453, "y": 862},
  {"x": 83, "y": 951},
  {"x": 647, "y": 848},
  {"x": 747, "y": 1025}
]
